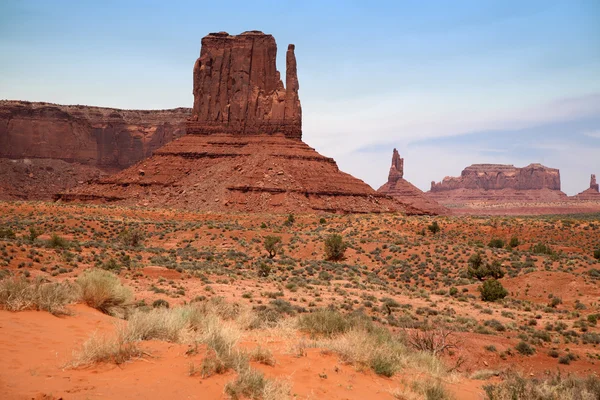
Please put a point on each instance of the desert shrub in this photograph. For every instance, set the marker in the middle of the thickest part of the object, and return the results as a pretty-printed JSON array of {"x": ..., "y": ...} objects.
[
  {"x": 322, "y": 221},
  {"x": 334, "y": 247},
  {"x": 475, "y": 261},
  {"x": 492, "y": 290},
  {"x": 524, "y": 349},
  {"x": 262, "y": 355},
  {"x": 514, "y": 242},
  {"x": 7, "y": 233},
  {"x": 542, "y": 248},
  {"x": 493, "y": 270},
  {"x": 434, "y": 227},
  {"x": 597, "y": 254},
  {"x": 516, "y": 387},
  {"x": 249, "y": 383},
  {"x": 57, "y": 241},
  {"x": 18, "y": 294},
  {"x": 273, "y": 245},
  {"x": 290, "y": 220},
  {"x": 453, "y": 291},
  {"x": 264, "y": 270},
  {"x": 324, "y": 322},
  {"x": 102, "y": 349},
  {"x": 159, "y": 323},
  {"x": 496, "y": 243},
  {"x": 34, "y": 233},
  {"x": 158, "y": 303},
  {"x": 103, "y": 291},
  {"x": 131, "y": 237}
]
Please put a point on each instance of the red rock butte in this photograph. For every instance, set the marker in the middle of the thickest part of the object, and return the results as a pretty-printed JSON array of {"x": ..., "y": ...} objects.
[
  {"x": 496, "y": 182},
  {"x": 591, "y": 193},
  {"x": 404, "y": 191},
  {"x": 238, "y": 90},
  {"x": 243, "y": 149}
]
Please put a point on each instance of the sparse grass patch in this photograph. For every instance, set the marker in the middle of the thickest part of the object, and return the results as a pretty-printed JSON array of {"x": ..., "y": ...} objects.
[
  {"x": 516, "y": 387},
  {"x": 18, "y": 294},
  {"x": 103, "y": 291}
]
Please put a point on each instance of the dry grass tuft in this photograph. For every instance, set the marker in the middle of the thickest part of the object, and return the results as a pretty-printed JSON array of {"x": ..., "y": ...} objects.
[
  {"x": 103, "y": 291},
  {"x": 102, "y": 349},
  {"x": 18, "y": 294}
]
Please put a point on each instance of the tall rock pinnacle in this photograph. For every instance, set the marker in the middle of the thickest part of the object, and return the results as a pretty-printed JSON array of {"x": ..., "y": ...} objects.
[
  {"x": 397, "y": 168},
  {"x": 238, "y": 90},
  {"x": 593, "y": 185}
]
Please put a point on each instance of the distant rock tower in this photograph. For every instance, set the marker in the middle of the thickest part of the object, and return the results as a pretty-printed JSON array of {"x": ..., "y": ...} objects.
[
  {"x": 397, "y": 168},
  {"x": 238, "y": 90},
  {"x": 593, "y": 185},
  {"x": 406, "y": 192}
]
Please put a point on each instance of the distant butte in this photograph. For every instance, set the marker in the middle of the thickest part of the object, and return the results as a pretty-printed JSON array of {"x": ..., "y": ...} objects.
[
  {"x": 500, "y": 183},
  {"x": 243, "y": 150},
  {"x": 404, "y": 191},
  {"x": 591, "y": 193}
]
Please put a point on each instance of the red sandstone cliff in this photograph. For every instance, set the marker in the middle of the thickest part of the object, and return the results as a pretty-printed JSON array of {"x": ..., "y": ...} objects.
[
  {"x": 494, "y": 182},
  {"x": 238, "y": 90},
  {"x": 406, "y": 192},
  {"x": 102, "y": 137}
]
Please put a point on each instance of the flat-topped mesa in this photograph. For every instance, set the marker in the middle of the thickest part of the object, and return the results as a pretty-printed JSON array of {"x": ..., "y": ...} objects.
[
  {"x": 238, "y": 90},
  {"x": 397, "y": 168},
  {"x": 499, "y": 177}
]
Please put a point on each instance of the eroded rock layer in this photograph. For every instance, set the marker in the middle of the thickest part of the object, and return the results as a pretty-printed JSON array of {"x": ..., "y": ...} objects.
[
  {"x": 254, "y": 173},
  {"x": 41, "y": 178},
  {"x": 406, "y": 192},
  {"x": 494, "y": 182},
  {"x": 238, "y": 90},
  {"x": 102, "y": 137}
]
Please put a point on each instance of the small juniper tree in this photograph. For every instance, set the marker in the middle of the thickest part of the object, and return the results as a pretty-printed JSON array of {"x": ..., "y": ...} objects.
[
  {"x": 334, "y": 247},
  {"x": 273, "y": 245},
  {"x": 492, "y": 290}
]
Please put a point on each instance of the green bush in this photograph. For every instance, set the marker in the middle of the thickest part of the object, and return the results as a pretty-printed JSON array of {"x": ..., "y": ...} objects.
[
  {"x": 525, "y": 349},
  {"x": 492, "y": 290},
  {"x": 34, "y": 233},
  {"x": 264, "y": 270},
  {"x": 273, "y": 245},
  {"x": 597, "y": 254},
  {"x": 434, "y": 227},
  {"x": 496, "y": 243},
  {"x": 542, "y": 248},
  {"x": 57, "y": 241},
  {"x": 290, "y": 220},
  {"x": 334, "y": 247},
  {"x": 131, "y": 237},
  {"x": 7, "y": 233},
  {"x": 514, "y": 242}
]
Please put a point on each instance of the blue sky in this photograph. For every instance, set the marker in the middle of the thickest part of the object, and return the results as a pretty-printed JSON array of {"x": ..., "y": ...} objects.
[{"x": 447, "y": 83}]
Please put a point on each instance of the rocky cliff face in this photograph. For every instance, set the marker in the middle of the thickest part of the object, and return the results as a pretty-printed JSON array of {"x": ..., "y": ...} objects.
[
  {"x": 407, "y": 193},
  {"x": 500, "y": 183},
  {"x": 237, "y": 88},
  {"x": 102, "y": 137}
]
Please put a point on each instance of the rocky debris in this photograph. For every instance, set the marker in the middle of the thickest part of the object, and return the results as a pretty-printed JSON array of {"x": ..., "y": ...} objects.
[
  {"x": 238, "y": 90},
  {"x": 102, "y": 137},
  {"x": 243, "y": 150},
  {"x": 500, "y": 183},
  {"x": 41, "y": 179},
  {"x": 591, "y": 193},
  {"x": 407, "y": 193}
]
